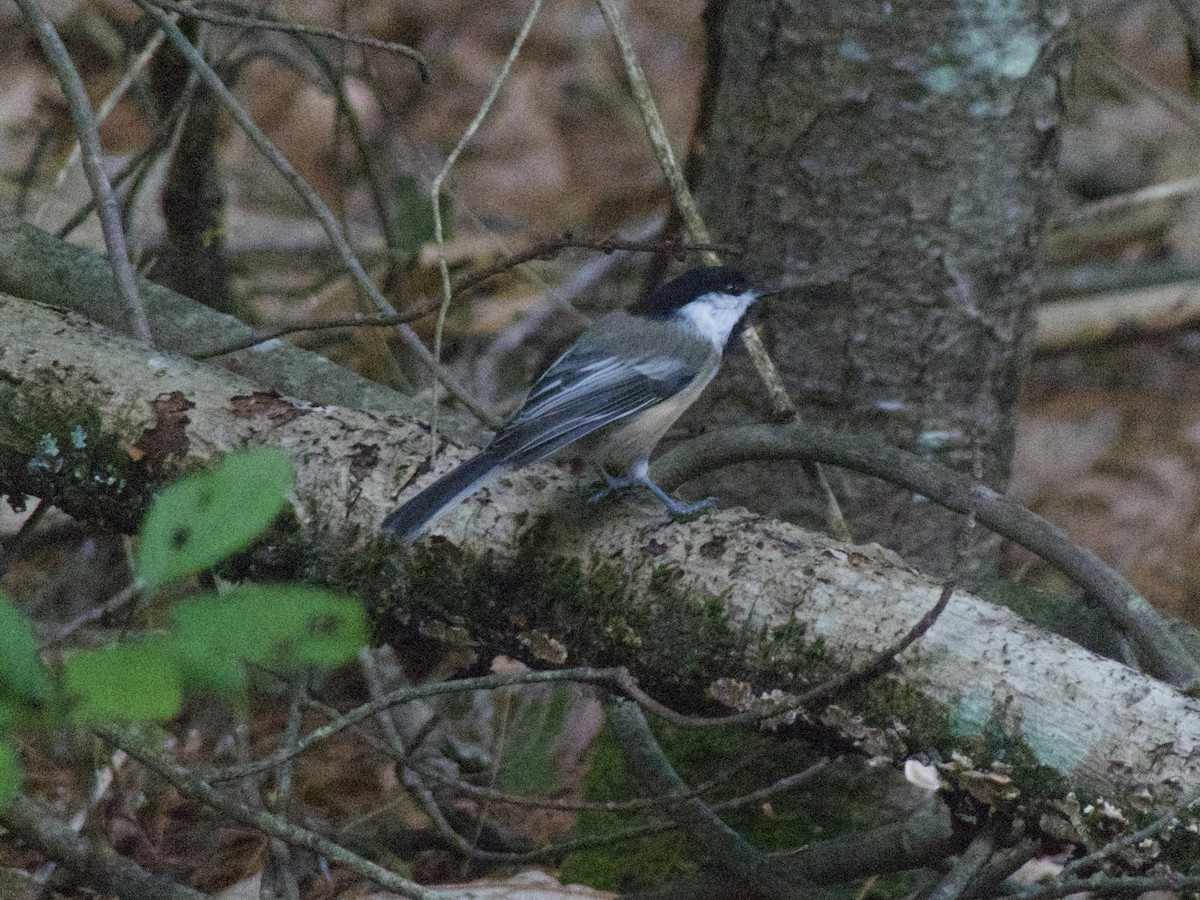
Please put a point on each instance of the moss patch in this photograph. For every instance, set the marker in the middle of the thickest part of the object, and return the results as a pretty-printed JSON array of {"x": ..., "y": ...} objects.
[
  {"x": 670, "y": 635},
  {"x": 65, "y": 456}
]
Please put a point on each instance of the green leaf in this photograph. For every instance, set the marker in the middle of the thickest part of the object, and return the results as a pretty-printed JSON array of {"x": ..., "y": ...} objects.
[
  {"x": 21, "y": 671},
  {"x": 203, "y": 519},
  {"x": 133, "y": 683},
  {"x": 280, "y": 626},
  {"x": 412, "y": 209},
  {"x": 10, "y": 772}
]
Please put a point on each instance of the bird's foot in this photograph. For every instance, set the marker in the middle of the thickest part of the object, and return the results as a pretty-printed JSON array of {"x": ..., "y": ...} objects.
[
  {"x": 612, "y": 484},
  {"x": 683, "y": 508},
  {"x": 675, "y": 507}
]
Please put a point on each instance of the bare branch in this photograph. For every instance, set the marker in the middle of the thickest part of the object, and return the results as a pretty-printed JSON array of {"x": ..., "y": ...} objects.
[
  {"x": 1108, "y": 886},
  {"x": 195, "y": 788},
  {"x": 965, "y": 868},
  {"x": 435, "y": 192},
  {"x": 650, "y": 766},
  {"x": 542, "y": 250},
  {"x": 93, "y": 167},
  {"x": 106, "y": 871},
  {"x": 693, "y": 223},
  {"x": 296, "y": 28},
  {"x": 409, "y": 695},
  {"x": 1086, "y": 863}
]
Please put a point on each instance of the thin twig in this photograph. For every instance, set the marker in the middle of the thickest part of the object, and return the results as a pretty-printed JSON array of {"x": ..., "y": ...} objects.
[
  {"x": 992, "y": 877},
  {"x": 634, "y": 805},
  {"x": 145, "y": 157},
  {"x": 834, "y": 519},
  {"x": 473, "y": 790},
  {"x": 1181, "y": 108},
  {"x": 646, "y": 760},
  {"x": 93, "y": 614},
  {"x": 689, "y": 211},
  {"x": 105, "y": 870},
  {"x": 555, "y": 300},
  {"x": 348, "y": 114},
  {"x": 1129, "y": 840},
  {"x": 882, "y": 660},
  {"x": 93, "y": 167},
  {"x": 316, "y": 205},
  {"x": 196, "y": 788},
  {"x": 409, "y": 695},
  {"x": 469, "y": 849},
  {"x": 295, "y": 28},
  {"x": 782, "y": 405},
  {"x": 1167, "y": 190},
  {"x": 656, "y": 131},
  {"x": 550, "y": 247},
  {"x": 280, "y": 877},
  {"x": 640, "y": 803},
  {"x": 360, "y": 321},
  {"x": 966, "y": 867},
  {"x": 542, "y": 250},
  {"x": 1105, "y": 886},
  {"x": 435, "y": 192},
  {"x": 101, "y": 782},
  {"x": 135, "y": 69},
  {"x": 823, "y": 692},
  {"x": 412, "y": 780}
]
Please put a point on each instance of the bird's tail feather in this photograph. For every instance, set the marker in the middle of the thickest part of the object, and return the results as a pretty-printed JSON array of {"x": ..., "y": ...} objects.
[{"x": 410, "y": 520}]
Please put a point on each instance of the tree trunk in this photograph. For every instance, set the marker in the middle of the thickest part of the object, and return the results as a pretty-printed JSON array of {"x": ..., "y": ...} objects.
[{"x": 895, "y": 159}]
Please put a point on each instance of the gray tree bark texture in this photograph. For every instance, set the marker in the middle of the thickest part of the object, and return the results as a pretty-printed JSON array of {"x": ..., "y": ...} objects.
[
  {"x": 980, "y": 669},
  {"x": 894, "y": 158},
  {"x": 38, "y": 266}
]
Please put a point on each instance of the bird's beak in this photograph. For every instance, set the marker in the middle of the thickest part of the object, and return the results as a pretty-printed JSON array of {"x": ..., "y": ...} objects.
[{"x": 779, "y": 288}]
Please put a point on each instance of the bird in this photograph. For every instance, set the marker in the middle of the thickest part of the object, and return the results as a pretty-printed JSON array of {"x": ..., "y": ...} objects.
[{"x": 616, "y": 390}]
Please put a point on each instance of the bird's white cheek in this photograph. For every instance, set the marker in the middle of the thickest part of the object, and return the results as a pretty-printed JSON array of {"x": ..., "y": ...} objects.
[{"x": 715, "y": 320}]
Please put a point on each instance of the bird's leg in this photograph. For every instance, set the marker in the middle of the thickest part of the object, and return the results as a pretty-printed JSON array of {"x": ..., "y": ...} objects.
[
  {"x": 639, "y": 474},
  {"x": 611, "y": 484},
  {"x": 676, "y": 507}
]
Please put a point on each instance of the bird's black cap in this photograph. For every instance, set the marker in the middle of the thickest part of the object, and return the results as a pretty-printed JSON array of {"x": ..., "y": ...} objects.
[{"x": 682, "y": 290}]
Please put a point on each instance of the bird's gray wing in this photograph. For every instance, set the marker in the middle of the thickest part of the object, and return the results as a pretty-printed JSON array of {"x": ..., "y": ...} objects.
[{"x": 585, "y": 389}]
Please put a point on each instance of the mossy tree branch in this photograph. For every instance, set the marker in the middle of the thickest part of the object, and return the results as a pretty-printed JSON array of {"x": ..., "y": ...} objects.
[{"x": 527, "y": 563}]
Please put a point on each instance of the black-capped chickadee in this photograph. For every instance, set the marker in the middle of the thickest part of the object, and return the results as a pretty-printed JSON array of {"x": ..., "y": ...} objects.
[{"x": 618, "y": 388}]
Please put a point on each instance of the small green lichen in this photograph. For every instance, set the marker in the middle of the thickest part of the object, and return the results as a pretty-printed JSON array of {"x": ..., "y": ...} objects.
[
  {"x": 67, "y": 457},
  {"x": 941, "y": 80},
  {"x": 971, "y": 713}
]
